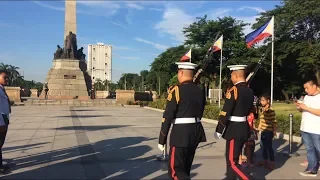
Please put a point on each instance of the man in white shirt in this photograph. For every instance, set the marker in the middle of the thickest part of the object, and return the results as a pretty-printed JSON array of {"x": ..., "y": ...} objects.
[
  {"x": 5, "y": 110},
  {"x": 310, "y": 126}
]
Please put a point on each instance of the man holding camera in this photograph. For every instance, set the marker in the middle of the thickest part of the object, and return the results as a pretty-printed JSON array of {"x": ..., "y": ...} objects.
[
  {"x": 310, "y": 123},
  {"x": 5, "y": 110}
]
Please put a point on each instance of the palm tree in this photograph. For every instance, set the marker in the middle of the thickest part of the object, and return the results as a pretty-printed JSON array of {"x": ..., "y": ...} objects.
[{"x": 15, "y": 79}]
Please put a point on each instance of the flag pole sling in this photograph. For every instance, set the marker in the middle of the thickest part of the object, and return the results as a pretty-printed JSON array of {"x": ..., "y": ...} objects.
[
  {"x": 220, "y": 78},
  {"x": 272, "y": 50}
]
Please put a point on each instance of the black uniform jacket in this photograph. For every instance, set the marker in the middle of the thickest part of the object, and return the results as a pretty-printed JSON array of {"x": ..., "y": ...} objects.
[
  {"x": 238, "y": 102},
  {"x": 186, "y": 100}
]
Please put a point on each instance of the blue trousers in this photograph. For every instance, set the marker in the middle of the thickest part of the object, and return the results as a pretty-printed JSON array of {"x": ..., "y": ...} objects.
[{"x": 312, "y": 144}]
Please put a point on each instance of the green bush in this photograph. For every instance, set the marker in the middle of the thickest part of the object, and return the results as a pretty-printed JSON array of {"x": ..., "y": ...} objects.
[{"x": 212, "y": 112}]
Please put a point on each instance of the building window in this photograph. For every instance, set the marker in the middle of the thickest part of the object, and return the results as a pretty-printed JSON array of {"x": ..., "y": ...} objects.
[
  {"x": 93, "y": 68},
  {"x": 92, "y": 77}
]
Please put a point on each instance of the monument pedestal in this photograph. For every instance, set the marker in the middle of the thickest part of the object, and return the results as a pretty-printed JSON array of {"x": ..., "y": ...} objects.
[{"x": 66, "y": 81}]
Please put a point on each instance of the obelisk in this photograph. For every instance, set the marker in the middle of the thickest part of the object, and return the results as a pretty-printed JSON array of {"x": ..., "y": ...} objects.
[
  {"x": 70, "y": 17},
  {"x": 66, "y": 79}
]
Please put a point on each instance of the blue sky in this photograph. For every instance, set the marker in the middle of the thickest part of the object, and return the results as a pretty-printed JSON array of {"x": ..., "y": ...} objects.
[{"x": 137, "y": 30}]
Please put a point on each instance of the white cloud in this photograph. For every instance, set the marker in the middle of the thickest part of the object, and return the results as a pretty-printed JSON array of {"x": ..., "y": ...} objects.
[
  {"x": 156, "y": 45},
  {"x": 134, "y": 6},
  {"x": 49, "y": 6},
  {"x": 155, "y": 9},
  {"x": 125, "y": 57},
  {"x": 257, "y": 9},
  {"x": 123, "y": 48},
  {"x": 129, "y": 17},
  {"x": 117, "y": 24},
  {"x": 173, "y": 22}
]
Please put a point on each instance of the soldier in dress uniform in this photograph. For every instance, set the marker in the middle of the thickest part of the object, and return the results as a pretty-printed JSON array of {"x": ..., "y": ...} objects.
[
  {"x": 5, "y": 110},
  {"x": 233, "y": 125},
  {"x": 184, "y": 109}
]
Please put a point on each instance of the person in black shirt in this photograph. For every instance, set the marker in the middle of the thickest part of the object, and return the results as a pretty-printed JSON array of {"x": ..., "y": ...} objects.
[
  {"x": 184, "y": 109},
  {"x": 233, "y": 125}
]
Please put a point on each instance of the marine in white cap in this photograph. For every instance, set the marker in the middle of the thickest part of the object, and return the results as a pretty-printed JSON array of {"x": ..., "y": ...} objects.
[
  {"x": 184, "y": 110},
  {"x": 233, "y": 125}
]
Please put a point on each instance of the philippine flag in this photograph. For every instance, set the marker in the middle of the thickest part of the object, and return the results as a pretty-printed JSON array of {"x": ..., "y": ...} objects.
[
  {"x": 259, "y": 34},
  {"x": 218, "y": 44},
  {"x": 186, "y": 57}
]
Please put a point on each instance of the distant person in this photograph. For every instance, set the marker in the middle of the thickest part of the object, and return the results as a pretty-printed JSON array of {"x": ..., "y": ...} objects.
[
  {"x": 310, "y": 123},
  {"x": 268, "y": 130},
  {"x": 46, "y": 89},
  {"x": 5, "y": 110}
]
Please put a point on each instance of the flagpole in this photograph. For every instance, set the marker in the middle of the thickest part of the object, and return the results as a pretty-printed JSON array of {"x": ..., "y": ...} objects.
[
  {"x": 272, "y": 49},
  {"x": 220, "y": 78}
]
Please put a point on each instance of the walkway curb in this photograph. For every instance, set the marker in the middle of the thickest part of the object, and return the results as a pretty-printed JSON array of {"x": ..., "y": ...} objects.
[{"x": 212, "y": 121}]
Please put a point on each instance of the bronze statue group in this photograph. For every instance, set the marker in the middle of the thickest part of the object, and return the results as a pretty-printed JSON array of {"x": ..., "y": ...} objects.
[
  {"x": 70, "y": 49},
  {"x": 184, "y": 110}
]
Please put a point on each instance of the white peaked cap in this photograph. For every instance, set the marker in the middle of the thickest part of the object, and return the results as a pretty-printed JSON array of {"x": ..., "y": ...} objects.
[
  {"x": 237, "y": 67},
  {"x": 186, "y": 65}
]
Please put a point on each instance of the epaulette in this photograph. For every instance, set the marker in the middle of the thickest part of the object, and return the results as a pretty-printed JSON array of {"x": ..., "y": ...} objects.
[
  {"x": 228, "y": 95},
  {"x": 176, "y": 93}
]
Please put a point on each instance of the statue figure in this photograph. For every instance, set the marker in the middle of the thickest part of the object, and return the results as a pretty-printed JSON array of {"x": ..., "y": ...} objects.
[
  {"x": 74, "y": 45},
  {"x": 68, "y": 46},
  {"x": 80, "y": 54},
  {"x": 59, "y": 53}
]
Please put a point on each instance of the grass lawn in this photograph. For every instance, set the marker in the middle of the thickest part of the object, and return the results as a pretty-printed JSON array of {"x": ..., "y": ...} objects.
[{"x": 280, "y": 108}]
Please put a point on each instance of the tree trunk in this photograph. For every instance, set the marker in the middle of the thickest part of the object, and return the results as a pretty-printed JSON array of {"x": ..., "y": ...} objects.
[
  {"x": 318, "y": 76},
  {"x": 286, "y": 96}
]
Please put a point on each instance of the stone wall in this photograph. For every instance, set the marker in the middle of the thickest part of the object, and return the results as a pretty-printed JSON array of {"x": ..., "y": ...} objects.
[
  {"x": 34, "y": 93},
  {"x": 13, "y": 93},
  {"x": 102, "y": 94},
  {"x": 123, "y": 96}
]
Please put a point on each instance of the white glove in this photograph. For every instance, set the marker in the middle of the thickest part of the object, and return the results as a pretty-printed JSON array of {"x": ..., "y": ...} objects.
[
  {"x": 161, "y": 147},
  {"x": 217, "y": 135}
]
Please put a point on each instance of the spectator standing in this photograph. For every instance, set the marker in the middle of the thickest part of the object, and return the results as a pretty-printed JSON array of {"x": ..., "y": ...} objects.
[
  {"x": 310, "y": 123},
  {"x": 5, "y": 110},
  {"x": 267, "y": 128}
]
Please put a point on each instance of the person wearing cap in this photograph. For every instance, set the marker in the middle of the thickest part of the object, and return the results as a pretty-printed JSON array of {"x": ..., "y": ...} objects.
[
  {"x": 184, "y": 110},
  {"x": 233, "y": 125}
]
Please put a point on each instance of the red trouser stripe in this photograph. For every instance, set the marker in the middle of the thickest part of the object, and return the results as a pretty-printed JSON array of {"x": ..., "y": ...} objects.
[
  {"x": 172, "y": 163},
  {"x": 233, "y": 165}
]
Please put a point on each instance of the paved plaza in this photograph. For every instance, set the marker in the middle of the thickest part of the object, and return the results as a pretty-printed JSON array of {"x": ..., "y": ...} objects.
[{"x": 61, "y": 142}]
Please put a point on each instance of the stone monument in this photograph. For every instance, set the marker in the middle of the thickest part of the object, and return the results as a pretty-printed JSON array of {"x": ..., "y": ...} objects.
[{"x": 67, "y": 77}]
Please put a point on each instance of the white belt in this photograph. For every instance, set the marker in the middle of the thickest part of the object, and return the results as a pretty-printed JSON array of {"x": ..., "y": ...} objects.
[
  {"x": 238, "y": 119},
  {"x": 186, "y": 120}
]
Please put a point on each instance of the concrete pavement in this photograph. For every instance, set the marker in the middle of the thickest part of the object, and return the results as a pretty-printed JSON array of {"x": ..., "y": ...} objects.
[{"x": 55, "y": 142}]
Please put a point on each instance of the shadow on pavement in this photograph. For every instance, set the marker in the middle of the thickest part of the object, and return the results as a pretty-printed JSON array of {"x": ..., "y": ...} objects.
[
  {"x": 118, "y": 158},
  {"x": 90, "y": 128},
  {"x": 280, "y": 158},
  {"x": 81, "y": 116}
]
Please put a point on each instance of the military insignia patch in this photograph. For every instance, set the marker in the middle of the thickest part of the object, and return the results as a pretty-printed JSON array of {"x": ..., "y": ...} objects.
[{"x": 222, "y": 113}]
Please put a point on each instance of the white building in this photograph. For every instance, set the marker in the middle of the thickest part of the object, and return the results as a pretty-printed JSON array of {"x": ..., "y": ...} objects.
[{"x": 100, "y": 61}]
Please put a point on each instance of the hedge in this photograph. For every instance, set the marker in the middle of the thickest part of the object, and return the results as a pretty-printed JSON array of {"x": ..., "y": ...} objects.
[{"x": 212, "y": 112}]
